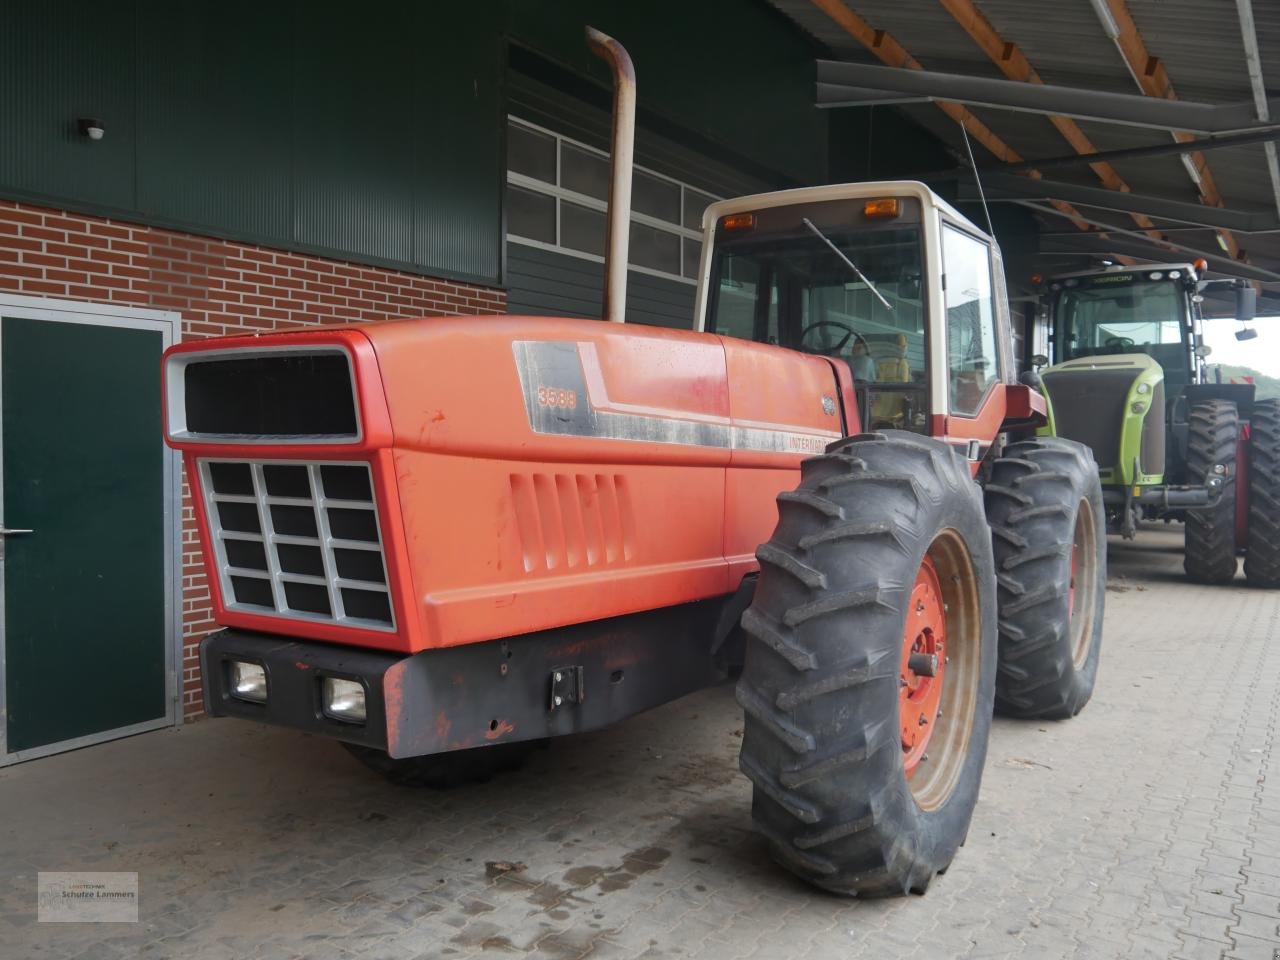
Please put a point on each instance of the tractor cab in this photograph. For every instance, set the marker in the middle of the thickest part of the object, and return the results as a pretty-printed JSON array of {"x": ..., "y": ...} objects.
[
  {"x": 855, "y": 273},
  {"x": 1129, "y": 382},
  {"x": 1152, "y": 311}
]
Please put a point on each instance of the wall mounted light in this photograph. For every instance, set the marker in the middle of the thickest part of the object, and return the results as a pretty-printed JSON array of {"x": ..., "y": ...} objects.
[{"x": 91, "y": 127}]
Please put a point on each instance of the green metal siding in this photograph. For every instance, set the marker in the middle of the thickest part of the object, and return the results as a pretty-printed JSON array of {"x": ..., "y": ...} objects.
[
  {"x": 545, "y": 283},
  {"x": 214, "y": 103},
  {"x": 373, "y": 133},
  {"x": 591, "y": 123},
  {"x": 59, "y": 61},
  {"x": 367, "y": 134},
  {"x": 355, "y": 112},
  {"x": 736, "y": 73}
]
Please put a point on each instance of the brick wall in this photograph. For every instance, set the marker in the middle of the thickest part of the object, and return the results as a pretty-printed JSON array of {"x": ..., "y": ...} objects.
[{"x": 219, "y": 287}]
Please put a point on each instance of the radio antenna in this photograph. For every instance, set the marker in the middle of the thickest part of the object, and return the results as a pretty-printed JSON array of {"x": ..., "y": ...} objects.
[{"x": 978, "y": 179}]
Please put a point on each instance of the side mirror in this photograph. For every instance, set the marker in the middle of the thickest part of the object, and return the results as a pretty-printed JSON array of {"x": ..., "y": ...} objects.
[
  {"x": 1248, "y": 333},
  {"x": 1039, "y": 360},
  {"x": 1246, "y": 303}
]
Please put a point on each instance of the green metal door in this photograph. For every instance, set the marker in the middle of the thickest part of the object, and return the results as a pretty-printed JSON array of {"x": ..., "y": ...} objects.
[{"x": 85, "y": 622}]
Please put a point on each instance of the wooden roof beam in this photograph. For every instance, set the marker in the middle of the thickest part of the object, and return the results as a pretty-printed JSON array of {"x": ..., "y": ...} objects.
[
  {"x": 894, "y": 54},
  {"x": 1153, "y": 80},
  {"x": 1013, "y": 64}
]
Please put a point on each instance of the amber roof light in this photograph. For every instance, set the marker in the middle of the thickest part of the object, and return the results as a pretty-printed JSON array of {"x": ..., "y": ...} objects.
[
  {"x": 738, "y": 221},
  {"x": 883, "y": 209}
]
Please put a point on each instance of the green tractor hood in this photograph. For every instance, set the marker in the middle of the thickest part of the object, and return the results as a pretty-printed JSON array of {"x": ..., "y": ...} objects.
[{"x": 1115, "y": 405}]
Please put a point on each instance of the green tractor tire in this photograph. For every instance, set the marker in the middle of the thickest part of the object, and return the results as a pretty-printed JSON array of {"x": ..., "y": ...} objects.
[
  {"x": 1262, "y": 555},
  {"x": 1210, "y": 552}
]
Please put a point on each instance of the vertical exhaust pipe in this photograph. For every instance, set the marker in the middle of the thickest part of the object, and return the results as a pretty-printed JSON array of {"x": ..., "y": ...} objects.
[{"x": 621, "y": 161}]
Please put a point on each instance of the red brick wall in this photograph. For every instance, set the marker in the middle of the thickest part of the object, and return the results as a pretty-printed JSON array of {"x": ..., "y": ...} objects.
[{"x": 219, "y": 287}]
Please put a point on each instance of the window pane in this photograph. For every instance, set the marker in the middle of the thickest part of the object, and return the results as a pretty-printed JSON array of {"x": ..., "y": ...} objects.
[
  {"x": 581, "y": 228},
  {"x": 971, "y": 328},
  {"x": 655, "y": 197},
  {"x": 694, "y": 203},
  {"x": 692, "y": 256},
  {"x": 531, "y": 153},
  {"x": 531, "y": 215},
  {"x": 584, "y": 172},
  {"x": 746, "y": 307},
  {"x": 655, "y": 249},
  {"x": 736, "y": 305}
]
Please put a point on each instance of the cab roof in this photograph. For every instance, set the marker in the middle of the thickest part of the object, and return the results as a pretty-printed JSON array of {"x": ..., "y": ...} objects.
[{"x": 840, "y": 191}]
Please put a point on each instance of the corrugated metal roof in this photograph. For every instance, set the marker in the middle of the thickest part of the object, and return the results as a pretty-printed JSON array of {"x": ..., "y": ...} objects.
[{"x": 1198, "y": 42}]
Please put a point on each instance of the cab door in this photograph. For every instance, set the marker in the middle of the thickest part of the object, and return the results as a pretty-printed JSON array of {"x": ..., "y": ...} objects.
[{"x": 976, "y": 363}]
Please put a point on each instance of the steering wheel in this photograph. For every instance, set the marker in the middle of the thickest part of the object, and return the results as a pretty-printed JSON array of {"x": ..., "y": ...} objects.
[
  {"x": 1119, "y": 342},
  {"x": 848, "y": 332}
]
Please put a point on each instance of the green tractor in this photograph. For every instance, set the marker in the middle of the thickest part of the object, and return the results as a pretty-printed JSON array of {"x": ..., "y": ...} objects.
[{"x": 1129, "y": 381}]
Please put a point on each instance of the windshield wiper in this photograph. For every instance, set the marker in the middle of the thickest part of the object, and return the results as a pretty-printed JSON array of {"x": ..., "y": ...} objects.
[{"x": 849, "y": 263}]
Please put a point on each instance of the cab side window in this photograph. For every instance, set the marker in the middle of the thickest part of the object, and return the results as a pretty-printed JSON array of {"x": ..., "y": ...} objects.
[
  {"x": 748, "y": 301},
  {"x": 973, "y": 358}
]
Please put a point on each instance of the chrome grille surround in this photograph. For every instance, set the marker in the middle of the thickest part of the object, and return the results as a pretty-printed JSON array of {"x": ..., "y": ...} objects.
[{"x": 298, "y": 539}]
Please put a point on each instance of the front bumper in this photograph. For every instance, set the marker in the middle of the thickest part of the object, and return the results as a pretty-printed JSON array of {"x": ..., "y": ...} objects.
[
  {"x": 545, "y": 684},
  {"x": 295, "y": 677}
]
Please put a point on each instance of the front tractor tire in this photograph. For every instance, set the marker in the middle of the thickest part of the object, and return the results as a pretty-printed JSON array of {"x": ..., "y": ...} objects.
[
  {"x": 1044, "y": 505},
  {"x": 1209, "y": 555},
  {"x": 1262, "y": 553},
  {"x": 870, "y": 666}
]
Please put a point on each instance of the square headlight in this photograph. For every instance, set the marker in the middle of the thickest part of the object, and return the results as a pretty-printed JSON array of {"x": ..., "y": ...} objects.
[
  {"x": 248, "y": 681},
  {"x": 343, "y": 700}
]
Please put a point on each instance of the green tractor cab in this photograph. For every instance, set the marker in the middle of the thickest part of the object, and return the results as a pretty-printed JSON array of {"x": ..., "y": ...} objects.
[{"x": 1130, "y": 383}]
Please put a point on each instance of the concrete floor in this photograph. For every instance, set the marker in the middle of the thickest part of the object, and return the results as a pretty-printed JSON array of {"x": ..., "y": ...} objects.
[{"x": 1149, "y": 826}]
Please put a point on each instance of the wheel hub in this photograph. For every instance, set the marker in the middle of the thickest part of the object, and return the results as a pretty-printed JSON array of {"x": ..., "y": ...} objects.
[{"x": 923, "y": 665}]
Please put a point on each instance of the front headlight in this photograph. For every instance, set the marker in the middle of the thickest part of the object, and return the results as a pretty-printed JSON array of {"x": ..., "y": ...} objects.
[
  {"x": 343, "y": 700},
  {"x": 248, "y": 681}
]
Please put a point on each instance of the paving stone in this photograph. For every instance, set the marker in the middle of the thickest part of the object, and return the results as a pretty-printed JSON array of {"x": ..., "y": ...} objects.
[{"x": 1147, "y": 827}]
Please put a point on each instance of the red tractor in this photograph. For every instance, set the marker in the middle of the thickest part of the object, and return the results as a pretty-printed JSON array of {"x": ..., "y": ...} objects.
[{"x": 439, "y": 541}]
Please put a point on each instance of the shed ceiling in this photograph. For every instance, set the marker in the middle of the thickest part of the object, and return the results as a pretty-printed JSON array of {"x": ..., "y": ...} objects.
[{"x": 1201, "y": 47}]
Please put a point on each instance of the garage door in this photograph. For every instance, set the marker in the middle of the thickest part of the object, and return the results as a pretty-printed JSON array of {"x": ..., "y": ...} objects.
[
  {"x": 87, "y": 634},
  {"x": 557, "y": 188}
]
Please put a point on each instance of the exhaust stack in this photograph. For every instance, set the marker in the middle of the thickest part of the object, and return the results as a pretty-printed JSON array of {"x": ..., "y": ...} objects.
[{"x": 620, "y": 163}]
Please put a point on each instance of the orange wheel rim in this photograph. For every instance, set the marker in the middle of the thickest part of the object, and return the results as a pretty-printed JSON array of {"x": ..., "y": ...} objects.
[{"x": 923, "y": 666}]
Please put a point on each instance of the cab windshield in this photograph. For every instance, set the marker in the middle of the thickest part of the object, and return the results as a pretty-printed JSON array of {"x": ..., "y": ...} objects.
[
  {"x": 1120, "y": 313},
  {"x": 848, "y": 291}
]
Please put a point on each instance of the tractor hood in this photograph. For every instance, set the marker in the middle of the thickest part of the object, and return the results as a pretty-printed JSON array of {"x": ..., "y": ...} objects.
[
  {"x": 1106, "y": 362},
  {"x": 1114, "y": 404}
]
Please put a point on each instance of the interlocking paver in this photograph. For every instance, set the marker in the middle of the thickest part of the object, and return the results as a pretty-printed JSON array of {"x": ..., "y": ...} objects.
[{"x": 1144, "y": 828}]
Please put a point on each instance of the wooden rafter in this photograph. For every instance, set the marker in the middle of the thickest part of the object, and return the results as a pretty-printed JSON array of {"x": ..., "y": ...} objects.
[
  {"x": 1154, "y": 81},
  {"x": 894, "y": 54},
  {"x": 1014, "y": 65}
]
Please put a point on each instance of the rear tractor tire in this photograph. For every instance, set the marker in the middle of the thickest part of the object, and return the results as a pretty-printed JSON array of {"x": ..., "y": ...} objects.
[
  {"x": 870, "y": 666},
  {"x": 1044, "y": 504},
  {"x": 1262, "y": 553},
  {"x": 1210, "y": 552},
  {"x": 444, "y": 771}
]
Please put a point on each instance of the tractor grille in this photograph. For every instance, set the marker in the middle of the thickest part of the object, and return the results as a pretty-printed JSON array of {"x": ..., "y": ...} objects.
[
  {"x": 1089, "y": 407},
  {"x": 298, "y": 540}
]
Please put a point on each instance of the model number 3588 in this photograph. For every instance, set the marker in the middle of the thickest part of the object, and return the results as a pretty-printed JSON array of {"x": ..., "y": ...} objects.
[{"x": 555, "y": 397}]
